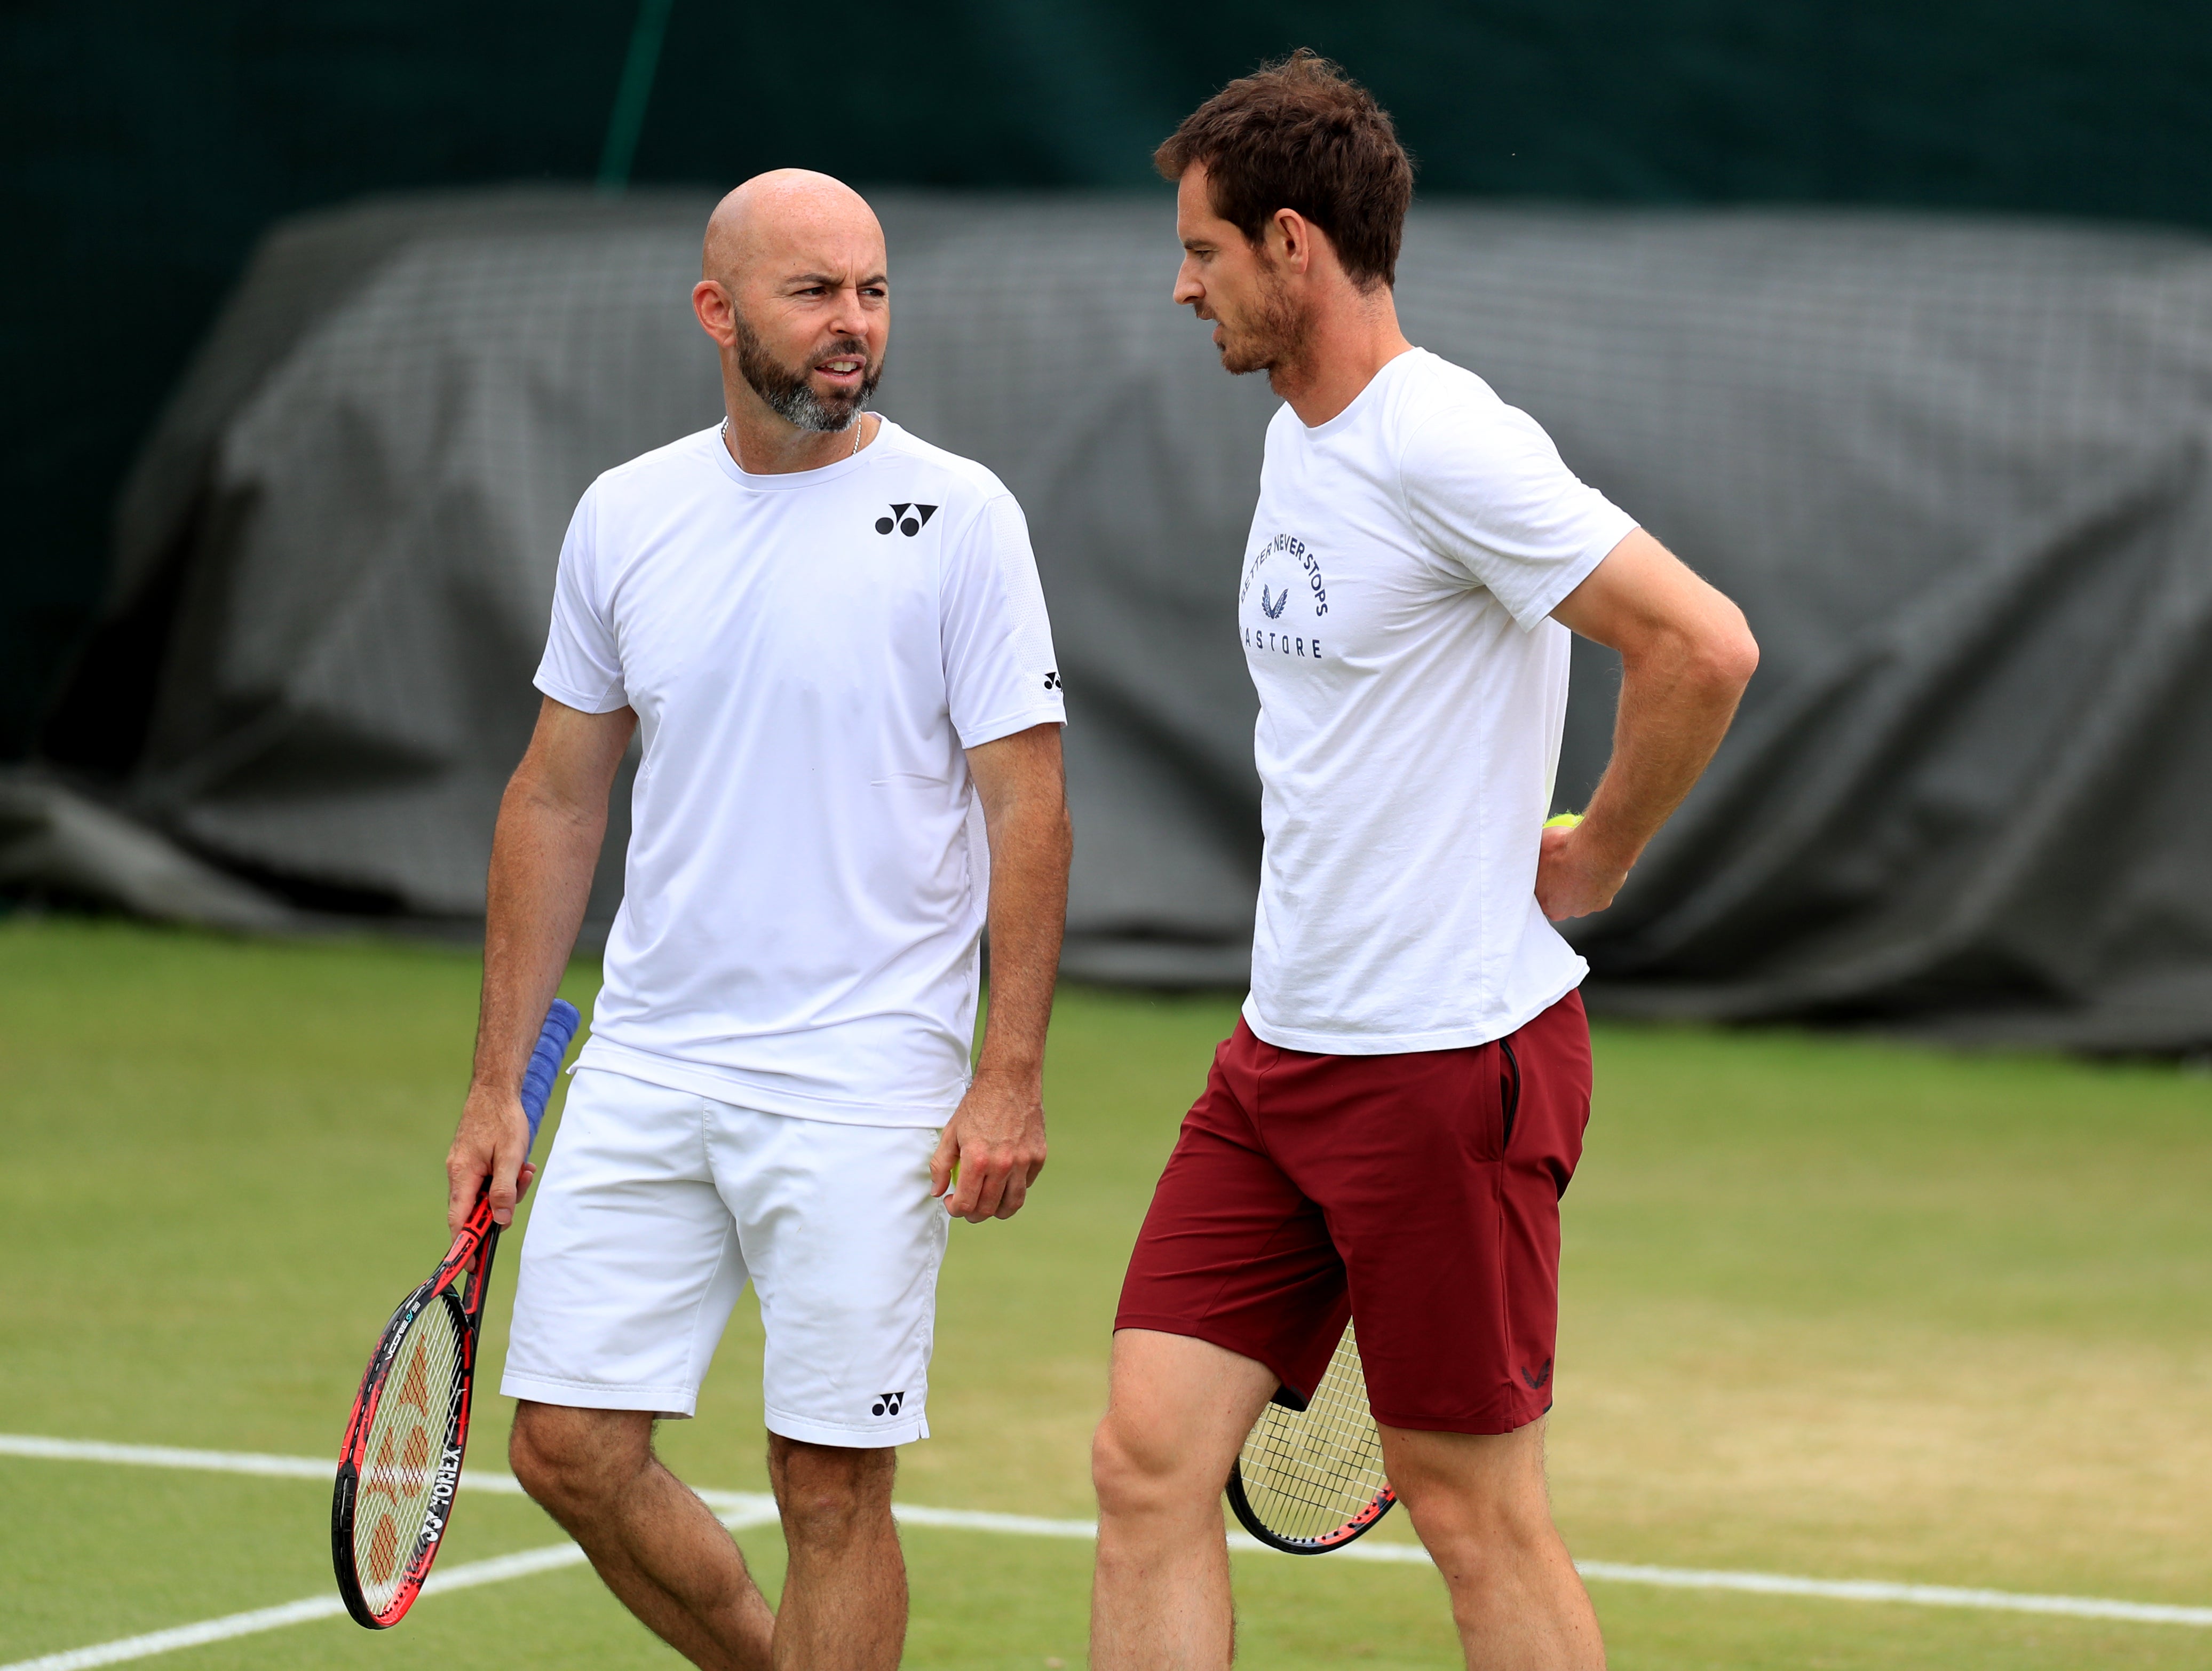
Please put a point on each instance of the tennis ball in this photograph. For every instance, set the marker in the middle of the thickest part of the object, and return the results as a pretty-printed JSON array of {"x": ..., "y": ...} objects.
[{"x": 1565, "y": 821}]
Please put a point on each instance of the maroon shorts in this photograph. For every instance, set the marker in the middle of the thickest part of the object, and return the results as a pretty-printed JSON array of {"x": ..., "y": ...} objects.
[{"x": 1419, "y": 1194}]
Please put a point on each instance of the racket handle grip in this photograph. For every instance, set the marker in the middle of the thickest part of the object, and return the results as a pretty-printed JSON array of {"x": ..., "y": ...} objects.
[{"x": 561, "y": 1024}]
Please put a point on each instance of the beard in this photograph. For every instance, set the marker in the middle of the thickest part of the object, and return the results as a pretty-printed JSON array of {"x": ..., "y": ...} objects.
[
  {"x": 789, "y": 394},
  {"x": 1272, "y": 335}
]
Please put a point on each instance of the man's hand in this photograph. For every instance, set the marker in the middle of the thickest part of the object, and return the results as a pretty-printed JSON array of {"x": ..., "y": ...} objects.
[
  {"x": 1573, "y": 879},
  {"x": 994, "y": 1146},
  {"x": 490, "y": 1142}
]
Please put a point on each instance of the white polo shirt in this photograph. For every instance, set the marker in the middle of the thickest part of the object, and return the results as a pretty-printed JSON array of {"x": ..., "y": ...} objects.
[
  {"x": 1403, "y": 563},
  {"x": 808, "y": 654}
]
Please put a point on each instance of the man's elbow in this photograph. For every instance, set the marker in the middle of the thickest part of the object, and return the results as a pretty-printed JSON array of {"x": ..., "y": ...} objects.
[
  {"x": 543, "y": 797},
  {"x": 1726, "y": 656},
  {"x": 1030, "y": 818},
  {"x": 1056, "y": 832}
]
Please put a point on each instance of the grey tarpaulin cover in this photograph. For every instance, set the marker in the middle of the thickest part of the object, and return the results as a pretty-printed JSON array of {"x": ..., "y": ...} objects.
[{"x": 1957, "y": 473}]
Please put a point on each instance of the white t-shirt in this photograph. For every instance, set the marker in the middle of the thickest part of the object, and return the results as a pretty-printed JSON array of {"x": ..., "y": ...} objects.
[
  {"x": 1405, "y": 559},
  {"x": 808, "y": 655}
]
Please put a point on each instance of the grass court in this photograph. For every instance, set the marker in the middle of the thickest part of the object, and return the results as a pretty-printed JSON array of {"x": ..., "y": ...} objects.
[{"x": 1834, "y": 1308}]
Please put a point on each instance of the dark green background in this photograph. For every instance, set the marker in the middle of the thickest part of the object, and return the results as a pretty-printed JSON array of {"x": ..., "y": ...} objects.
[{"x": 146, "y": 144}]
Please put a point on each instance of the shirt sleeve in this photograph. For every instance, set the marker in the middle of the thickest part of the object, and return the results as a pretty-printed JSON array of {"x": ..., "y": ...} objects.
[
  {"x": 582, "y": 665},
  {"x": 1000, "y": 674},
  {"x": 1489, "y": 494}
]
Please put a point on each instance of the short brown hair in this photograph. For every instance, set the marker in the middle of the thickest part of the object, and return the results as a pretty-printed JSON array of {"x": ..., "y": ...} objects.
[{"x": 1301, "y": 134}]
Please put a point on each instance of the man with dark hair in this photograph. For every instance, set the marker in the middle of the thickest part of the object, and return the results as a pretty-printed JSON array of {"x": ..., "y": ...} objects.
[{"x": 1387, "y": 1134}]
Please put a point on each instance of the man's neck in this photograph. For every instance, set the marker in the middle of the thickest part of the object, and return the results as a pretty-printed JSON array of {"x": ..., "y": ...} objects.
[
  {"x": 1349, "y": 338},
  {"x": 764, "y": 443}
]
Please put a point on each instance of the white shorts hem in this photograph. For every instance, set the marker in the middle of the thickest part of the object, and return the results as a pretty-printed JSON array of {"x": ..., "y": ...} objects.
[
  {"x": 876, "y": 1436},
  {"x": 676, "y": 1403}
]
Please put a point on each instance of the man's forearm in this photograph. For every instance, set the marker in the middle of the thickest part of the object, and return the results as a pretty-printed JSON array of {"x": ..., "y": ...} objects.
[
  {"x": 1028, "y": 911},
  {"x": 1685, "y": 655},
  {"x": 542, "y": 858},
  {"x": 1675, "y": 708}
]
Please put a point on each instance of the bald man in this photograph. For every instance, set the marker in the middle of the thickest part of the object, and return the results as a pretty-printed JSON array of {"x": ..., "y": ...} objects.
[{"x": 829, "y": 639}]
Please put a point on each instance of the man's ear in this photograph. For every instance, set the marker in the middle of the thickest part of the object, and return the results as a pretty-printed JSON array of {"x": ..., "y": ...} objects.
[
  {"x": 1290, "y": 238},
  {"x": 714, "y": 308}
]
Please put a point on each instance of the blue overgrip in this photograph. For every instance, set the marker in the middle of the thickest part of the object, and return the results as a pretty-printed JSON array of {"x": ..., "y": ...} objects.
[{"x": 561, "y": 1024}]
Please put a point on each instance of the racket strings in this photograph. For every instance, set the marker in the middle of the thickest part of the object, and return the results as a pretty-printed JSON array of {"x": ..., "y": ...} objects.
[
  {"x": 406, "y": 1443},
  {"x": 1305, "y": 1474}
]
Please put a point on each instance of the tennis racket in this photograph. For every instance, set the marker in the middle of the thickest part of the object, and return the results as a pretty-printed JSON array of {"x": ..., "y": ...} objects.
[
  {"x": 1309, "y": 1477},
  {"x": 402, "y": 1460}
]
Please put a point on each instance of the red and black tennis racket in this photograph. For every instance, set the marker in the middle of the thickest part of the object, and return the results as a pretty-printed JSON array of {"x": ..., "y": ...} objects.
[
  {"x": 1309, "y": 1477},
  {"x": 404, "y": 1443}
]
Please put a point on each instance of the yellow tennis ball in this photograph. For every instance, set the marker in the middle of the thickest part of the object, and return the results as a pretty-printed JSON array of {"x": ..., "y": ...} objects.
[{"x": 1565, "y": 821}]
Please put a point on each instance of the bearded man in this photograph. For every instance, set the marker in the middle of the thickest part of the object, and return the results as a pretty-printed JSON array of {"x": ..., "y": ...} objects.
[
  {"x": 1387, "y": 1134},
  {"x": 829, "y": 638}
]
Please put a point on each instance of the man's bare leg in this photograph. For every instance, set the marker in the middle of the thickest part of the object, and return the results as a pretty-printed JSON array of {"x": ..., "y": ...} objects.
[
  {"x": 656, "y": 1546},
  {"x": 672, "y": 1563},
  {"x": 844, "y": 1596},
  {"x": 1176, "y": 1415},
  {"x": 1479, "y": 1502}
]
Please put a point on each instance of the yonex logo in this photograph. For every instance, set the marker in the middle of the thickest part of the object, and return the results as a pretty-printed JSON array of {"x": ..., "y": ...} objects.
[
  {"x": 887, "y": 1404},
  {"x": 908, "y": 519},
  {"x": 449, "y": 1476},
  {"x": 1052, "y": 681},
  {"x": 1542, "y": 1374}
]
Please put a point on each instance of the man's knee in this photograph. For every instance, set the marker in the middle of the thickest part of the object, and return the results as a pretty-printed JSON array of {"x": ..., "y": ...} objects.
[
  {"x": 830, "y": 1495},
  {"x": 1137, "y": 1470},
  {"x": 1483, "y": 1493},
  {"x": 1178, "y": 1410},
  {"x": 1484, "y": 1523},
  {"x": 574, "y": 1462}
]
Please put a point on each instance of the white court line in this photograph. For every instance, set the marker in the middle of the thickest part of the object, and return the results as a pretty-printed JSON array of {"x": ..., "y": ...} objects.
[
  {"x": 497, "y": 1569},
  {"x": 167, "y": 1456},
  {"x": 750, "y": 1504},
  {"x": 1875, "y": 1589},
  {"x": 741, "y": 1509}
]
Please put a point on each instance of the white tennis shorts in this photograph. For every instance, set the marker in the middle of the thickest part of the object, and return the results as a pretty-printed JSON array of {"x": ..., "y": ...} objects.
[{"x": 657, "y": 1206}]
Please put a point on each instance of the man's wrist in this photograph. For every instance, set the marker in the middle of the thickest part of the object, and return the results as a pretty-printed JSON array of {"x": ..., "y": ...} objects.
[
  {"x": 1603, "y": 850},
  {"x": 1017, "y": 1075}
]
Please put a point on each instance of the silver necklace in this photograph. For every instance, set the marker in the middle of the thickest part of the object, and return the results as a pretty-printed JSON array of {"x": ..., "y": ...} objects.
[{"x": 860, "y": 426}]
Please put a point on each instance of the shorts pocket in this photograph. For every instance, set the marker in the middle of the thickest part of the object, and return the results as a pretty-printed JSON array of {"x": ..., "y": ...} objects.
[
  {"x": 1491, "y": 1092},
  {"x": 1508, "y": 1092}
]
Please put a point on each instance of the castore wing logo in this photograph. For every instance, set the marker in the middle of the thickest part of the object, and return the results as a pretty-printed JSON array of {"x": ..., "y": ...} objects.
[
  {"x": 1272, "y": 606},
  {"x": 908, "y": 519}
]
